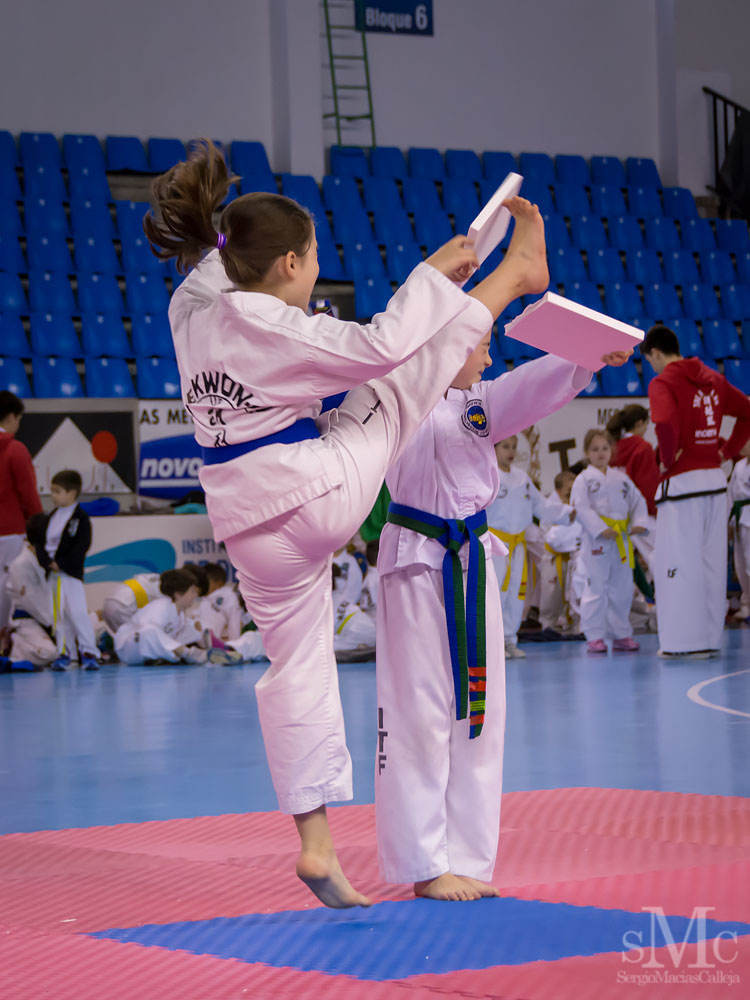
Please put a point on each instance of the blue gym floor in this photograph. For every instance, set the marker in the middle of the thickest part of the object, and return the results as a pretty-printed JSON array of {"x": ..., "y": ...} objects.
[{"x": 130, "y": 744}]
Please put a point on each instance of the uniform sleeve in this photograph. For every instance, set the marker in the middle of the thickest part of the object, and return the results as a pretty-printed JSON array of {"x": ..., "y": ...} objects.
[
  {"x": 550, "y": 508},
  {"x": 736, "y": 404},
  {"x": 587, "y": 516},
  {"x": 24, "y": 477},
  {"x": 531, "y": 392},
  {"x": 666, "y": 420}
]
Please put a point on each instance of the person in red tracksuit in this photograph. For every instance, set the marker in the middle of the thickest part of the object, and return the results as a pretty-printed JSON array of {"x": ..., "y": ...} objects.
[
  {"x": 688, "y": 401},
  {"x": 19, "y": 497},
  {"x": 633, "y": 454}
]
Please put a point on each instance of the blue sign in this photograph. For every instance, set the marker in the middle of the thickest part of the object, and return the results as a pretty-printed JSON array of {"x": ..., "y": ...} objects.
[
  {"x": 169, "y": 466},
  {"x": 395, "y": 17}
]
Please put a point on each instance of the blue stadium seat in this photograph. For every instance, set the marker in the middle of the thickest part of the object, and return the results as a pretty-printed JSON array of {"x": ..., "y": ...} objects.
[
  {"x": 11, "y": 255},
  {"x": 328, "y": 256},
  {"x": 607, "y": 200},
  {"x": 717, "y": 268},
  {"x": 125, "y": 154},
  {"x": 99, "y": 293},
  {"x": 13, "y": 342},
  {"x": 381, "y": 194},
  {"x": 13, "y": 377},
  {"x": 388, "y": 161},
  {"x": 742, "y": 263},
  {"x": 351, "y": 225},
  {"x": 509, "y": 348},
  {"x": 137, "y": 257},
  {"x": 10, "y": 189},
  {"x": 163, "y": 154},
  {"x": 622, "y": 381},
  {"x": 41, "y": 215},
  {"x": 252, "y": 183},
  {"x": 426, "y": 162},
  {"x": 643, "y": 266},
  {"x": 158, "y": 378},
  {"x": 642, "y": 172},
  {"x": 12, "y": 295},
  {"x": 371, "y": 295},
  {"x": 679, "y": 203},
  {"x": 130, "y": 217},
  {"x": 108, "y": 378},
  {"x": 697, "y": 234},
  {"x": 460, "y": 196},
  {"x": 732, "y": 235},
  {"x": 585, "y": 293},
  {"x": 572, "y": 170},
  {"x": 349, "y": 161},
  {"x": 44, "y": 181},
  {"x": 90, "y": 217},
  {"x": 607, "y": 170},
  {"x": 340, "y": 192},
  {"x": 39, "y": 147},
  {"x": 735, "y": 301},
  {"x": 605, "y": 266},
  {"x": 232, "y": 193},
  {"x": 680, "y": 267},
  {"x": 249, "y": 158},
  {"x": 555, "y": 231},
  {"x": 463, "y": 163},
  {"x": 433, "y": 229},
  {"x": 8, "y": 150},
  {"x": 537, "y": 167},
  {"x": 737, "y": 372},
  {"x": 53, "y": 335},
  {"x": 593, "y": 388},
  {"x": 304, "y": 189},
  {"x": 622, "y": 301},
  {"x": 151, "y": 336},
  {"x": 691, "y": 343},
  {"x": 10, "y": 220},
  {"x": 537, "y": 193},
  {"x": 146, "y": 293},
  {"x": 96, "y": 255},
  {"x": 51, "y": 292},
  {"x": 661, "y": 234},
  {"x": 588, "y": 233},
  {"x": 722, "y": 340},
  {"x": 82, "y": 151},
  {"x": 644, "y": 203},
  {"x": 56, "y": 378},
  {"x": 419, "y": 194},
  {"x": 103, "y": 335},
  {"x": 661, "y": 300},
  {"x": 48, "y": 253},
  {"x": 699, "y": 301},
  {"x": 642, "y": 322},
  {"x": 571, "y": 199},
  {"x": 362, "y": 259},
  {"x": 566, "y": 264},
  {"x": 88, "y": 183},
  {"x": 497, "y": 166},
  {"x": 625, "y": 233},
  {"x": 393, "y": 226},
  {"x": 401, "y": 259}
]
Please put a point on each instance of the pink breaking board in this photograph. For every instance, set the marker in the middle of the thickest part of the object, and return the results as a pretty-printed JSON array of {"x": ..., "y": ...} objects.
[{"x": 573, "y": 332}]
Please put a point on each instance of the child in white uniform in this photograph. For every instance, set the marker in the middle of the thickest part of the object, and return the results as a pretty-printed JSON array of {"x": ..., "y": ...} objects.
[
  {"x": 561, "y": 544},
  {"x": 517, "y": 502},
  {"x": 151, "y": 634},
  {"x": 30, "y": 595},
  {"x": 739, "y": 522},
  {"x": 127, "y": 597},
  {"x": 610, "y": 509},
  {"x": 220, "y": 609},
  {"x": 285, "y": 486}
]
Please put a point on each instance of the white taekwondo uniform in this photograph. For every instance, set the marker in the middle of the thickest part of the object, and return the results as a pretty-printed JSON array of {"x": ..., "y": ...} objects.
[
  {"x": 517, "y": 503},
  {"x": 608, "y": 591},
  {"x": 151, "y": 634},
  {"x": 29, "y": 591},
  {"x": 562, "y": 542},
  {"x": 250, "y": 366},
  {"x": 368, "y": 600},
  {"x": 437, "y": 792},
  {"x": 222, "y": 613},
  {"x": 739, "y": 490},
  {"x": 120, "y": 606}
]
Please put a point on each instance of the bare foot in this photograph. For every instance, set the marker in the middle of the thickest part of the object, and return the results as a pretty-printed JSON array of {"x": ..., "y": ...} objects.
[
  {"x": 322, "y": 874},
  {"x": 527, "y": 251},
  {"x": 447, "y": 886},
  {"x": 484, "y": 889}
]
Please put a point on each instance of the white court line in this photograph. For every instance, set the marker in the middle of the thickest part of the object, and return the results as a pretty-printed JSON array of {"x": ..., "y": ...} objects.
[{"x": 695, "y": 696}]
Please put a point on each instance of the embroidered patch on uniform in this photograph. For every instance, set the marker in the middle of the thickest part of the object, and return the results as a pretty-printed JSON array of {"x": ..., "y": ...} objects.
[{"x": 475, "y": 419}]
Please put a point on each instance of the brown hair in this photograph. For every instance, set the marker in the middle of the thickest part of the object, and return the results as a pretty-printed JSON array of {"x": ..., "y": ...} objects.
[
  {"x": 566, "y": 476},
  {"x": 594, "y": 433},
  {"x": 624, "y": 420},
  {"x": 69, "y": 480},
  {"x": 259, "y": 227},
  {"x": 176, "y": 581}
]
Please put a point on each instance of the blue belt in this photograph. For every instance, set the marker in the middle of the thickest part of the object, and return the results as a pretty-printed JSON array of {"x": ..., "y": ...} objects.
[
  {"x": 467, "y": 637},
  {"x": 302, "y": 430}
]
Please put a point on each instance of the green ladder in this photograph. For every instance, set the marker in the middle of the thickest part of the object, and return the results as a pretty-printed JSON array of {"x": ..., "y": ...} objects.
[{"x": 350, "y": 72}]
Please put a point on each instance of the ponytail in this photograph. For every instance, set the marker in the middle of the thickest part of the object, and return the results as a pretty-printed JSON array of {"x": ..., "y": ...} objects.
[
  {"x": 624, "y": 420},
  {"x": 253, "y": 231}
]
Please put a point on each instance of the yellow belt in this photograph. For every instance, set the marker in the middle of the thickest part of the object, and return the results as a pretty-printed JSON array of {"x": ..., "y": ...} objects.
[
  {"x": 512, "y": 542},
  {"x": 57, "y": 608},
  {"x": 622, "y": 538},
  {"x": 340, "y": 629},
  {"x": 141, "y": 597},
  {"x": 561, "y": 561}
]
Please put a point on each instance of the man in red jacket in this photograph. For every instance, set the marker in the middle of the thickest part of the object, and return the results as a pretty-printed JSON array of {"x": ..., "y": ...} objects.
[
  {"x": 19, "y": 498},
  {"x": 688, "y": 401}
]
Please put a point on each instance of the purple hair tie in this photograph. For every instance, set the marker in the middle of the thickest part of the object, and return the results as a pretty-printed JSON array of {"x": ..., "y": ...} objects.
[{"x": 221, "y": 241}]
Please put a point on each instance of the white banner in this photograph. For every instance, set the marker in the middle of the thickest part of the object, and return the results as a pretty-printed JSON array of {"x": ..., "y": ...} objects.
[{"x": 169, "y": 459}]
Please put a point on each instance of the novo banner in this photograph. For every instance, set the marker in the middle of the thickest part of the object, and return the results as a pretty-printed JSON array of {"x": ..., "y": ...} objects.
[
  {"x": 169, "y": 460},
  {"x": 395, "y": 17}
]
